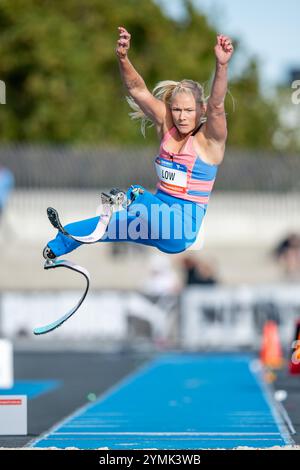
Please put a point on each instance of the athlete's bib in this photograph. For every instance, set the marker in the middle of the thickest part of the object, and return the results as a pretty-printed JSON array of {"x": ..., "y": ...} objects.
[{"x": 171, "y": 175}]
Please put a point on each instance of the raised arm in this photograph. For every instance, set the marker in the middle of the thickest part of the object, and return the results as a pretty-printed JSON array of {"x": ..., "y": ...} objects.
[
  {"x": 155, "y": 109},
  {"x": 216, "y": 128}
]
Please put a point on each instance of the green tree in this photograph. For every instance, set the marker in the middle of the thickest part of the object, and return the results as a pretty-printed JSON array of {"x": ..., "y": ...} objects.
[
  {"x": 61, "y": 72},
  {"x": 252, "y": 119}
]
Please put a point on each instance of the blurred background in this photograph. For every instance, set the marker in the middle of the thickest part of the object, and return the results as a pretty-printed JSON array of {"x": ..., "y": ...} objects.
[{"x": 65, "y": 136}]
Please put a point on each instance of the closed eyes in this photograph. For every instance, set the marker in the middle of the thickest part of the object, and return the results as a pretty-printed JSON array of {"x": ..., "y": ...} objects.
[{"x": 178, "y": 109}]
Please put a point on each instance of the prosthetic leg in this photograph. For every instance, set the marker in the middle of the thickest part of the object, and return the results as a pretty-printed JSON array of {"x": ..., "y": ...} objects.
[
  {"x": 113, "y": 200},
  {"x": 54, "y": 263}
]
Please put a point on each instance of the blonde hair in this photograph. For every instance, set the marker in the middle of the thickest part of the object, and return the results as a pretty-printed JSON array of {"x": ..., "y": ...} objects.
[{"x": 166, "y": 91}]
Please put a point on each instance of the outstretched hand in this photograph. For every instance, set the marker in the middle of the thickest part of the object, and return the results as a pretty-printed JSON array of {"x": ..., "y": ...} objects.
[
  {"x": 223, "y": 49},
  {"x": 123, "y": 43}
]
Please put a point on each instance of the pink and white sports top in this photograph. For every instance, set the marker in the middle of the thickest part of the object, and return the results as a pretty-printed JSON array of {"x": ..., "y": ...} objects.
[{"x": 184, "y": 175}]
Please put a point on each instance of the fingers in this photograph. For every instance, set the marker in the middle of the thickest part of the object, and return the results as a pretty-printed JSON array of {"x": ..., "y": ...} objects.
[
  {"x": 123, "y": 33},
  {"x": 225, "y": 42},
  {"x": 219, "y": 40},
  {"x": 123, "y": 42},
  {"x": 124, "y": 37},
  {"x": 121, "y": 28}
]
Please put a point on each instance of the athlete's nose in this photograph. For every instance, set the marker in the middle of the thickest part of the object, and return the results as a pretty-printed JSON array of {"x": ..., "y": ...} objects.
[{"x": 182, "y": 116}]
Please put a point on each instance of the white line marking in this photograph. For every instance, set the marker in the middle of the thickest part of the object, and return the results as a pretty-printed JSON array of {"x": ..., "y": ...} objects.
[{"x": 167, "y": 433}]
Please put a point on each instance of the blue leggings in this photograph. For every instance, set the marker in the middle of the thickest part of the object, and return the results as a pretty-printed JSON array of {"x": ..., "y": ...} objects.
[{"x": 170, "y": 224}]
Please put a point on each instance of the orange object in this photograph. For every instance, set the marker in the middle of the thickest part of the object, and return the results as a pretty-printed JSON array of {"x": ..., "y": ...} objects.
[
  {"x": 270, "y": 376},
  {"x": 271, "y": 352},
  {"x": 295, "y": 358}
]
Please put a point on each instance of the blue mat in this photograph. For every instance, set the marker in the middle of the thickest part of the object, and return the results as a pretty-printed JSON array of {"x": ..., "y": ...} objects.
[{"x": 178, "y": 401}]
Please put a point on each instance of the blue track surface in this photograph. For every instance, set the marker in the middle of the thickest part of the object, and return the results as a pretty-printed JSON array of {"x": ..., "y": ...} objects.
[
  {"x": 178, "y": 401},
  {"x": 31, "y": 388}
]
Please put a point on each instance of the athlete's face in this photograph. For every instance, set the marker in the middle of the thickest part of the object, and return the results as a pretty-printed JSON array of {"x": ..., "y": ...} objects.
[{"x": 186, "y": 112}]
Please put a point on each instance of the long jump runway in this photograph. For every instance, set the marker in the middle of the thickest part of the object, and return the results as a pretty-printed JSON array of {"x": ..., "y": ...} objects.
[{"x": 178, "y": 401}]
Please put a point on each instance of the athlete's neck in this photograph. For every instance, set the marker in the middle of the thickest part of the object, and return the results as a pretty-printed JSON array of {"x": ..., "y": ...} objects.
[{"x": 184, "y": 136}]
